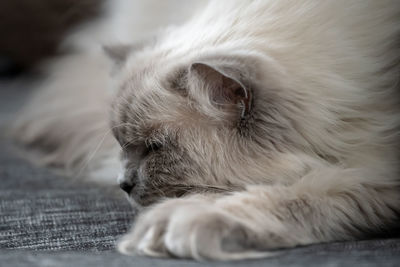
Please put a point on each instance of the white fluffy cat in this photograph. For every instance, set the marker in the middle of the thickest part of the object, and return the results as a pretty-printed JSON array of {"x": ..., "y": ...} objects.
[{"x": 276, "y": 123}]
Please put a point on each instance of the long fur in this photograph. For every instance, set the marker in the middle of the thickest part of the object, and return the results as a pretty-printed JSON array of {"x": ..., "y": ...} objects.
[{"x": 316, "y": 160}]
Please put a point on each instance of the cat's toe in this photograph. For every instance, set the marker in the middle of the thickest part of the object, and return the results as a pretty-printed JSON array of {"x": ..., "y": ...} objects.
[
  {"x": 209, "y": 234},
  {"x": 150, "y": 243},
  {"x": 146, "y": 238},
  {"x": 147, "y": 235}
]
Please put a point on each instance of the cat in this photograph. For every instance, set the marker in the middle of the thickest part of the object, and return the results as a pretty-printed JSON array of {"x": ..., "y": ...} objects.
[{"x": 246, "y": 127}]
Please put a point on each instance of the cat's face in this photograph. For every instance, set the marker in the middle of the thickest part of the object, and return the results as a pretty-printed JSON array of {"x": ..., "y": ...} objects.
[{"x": 202, "y": 126}]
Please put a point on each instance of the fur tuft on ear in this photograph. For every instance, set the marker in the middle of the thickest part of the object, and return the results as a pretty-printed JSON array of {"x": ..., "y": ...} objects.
[
  {"x": 117, "y": 53},
  {"x": 225, "y": 84}
]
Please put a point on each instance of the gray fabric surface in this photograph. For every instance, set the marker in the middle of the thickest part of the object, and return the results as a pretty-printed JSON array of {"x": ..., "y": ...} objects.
[
  {"x": 48, "y": 220},
  {"x": 352, "y": 254},
  {"x": 44, "y": 212}
]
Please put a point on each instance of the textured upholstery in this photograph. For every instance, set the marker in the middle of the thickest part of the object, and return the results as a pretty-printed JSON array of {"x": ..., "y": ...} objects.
[{"x": 41, "y": 211}]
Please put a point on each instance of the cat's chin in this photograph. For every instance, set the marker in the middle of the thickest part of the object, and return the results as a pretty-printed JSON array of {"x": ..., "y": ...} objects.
[
  {"x": 137, "y": 205},
  {"x": 139, "y": 202}
]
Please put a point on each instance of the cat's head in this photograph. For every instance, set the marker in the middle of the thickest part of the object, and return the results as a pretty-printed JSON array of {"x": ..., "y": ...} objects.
[{"x": 208, "y": 123}]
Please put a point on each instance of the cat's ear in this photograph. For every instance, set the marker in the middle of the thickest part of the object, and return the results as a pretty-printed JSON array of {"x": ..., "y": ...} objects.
[
  {"x": 117, "y": 53},
  {"x": 225, "y": 84}
]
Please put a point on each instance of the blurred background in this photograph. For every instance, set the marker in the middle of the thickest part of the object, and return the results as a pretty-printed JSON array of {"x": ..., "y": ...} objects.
[{"x": 31, "y": 30}]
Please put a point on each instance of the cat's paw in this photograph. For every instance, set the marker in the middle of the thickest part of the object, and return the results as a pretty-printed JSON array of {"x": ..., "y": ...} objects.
[{"x": 190, "y": 229}]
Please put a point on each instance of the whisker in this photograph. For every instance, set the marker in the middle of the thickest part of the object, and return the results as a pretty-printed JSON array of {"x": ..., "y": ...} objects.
[
  {"x": 96, "y": 149},
  {"x": 204, "y": 187}
]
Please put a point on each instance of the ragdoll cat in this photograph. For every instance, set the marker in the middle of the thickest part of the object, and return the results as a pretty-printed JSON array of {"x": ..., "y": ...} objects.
[{"x": 253, "y": 126}]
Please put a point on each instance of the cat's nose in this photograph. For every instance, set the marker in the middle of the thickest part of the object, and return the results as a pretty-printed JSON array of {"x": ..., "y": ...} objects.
[{"x": 127, "y": 187}]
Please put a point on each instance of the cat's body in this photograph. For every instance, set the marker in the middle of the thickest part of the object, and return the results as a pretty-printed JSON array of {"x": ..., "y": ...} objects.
[{"x": 292, "y": 104}]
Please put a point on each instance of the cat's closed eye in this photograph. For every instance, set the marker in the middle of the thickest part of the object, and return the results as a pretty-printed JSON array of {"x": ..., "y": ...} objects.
[
  {"x": 142, "y": 150},
  {"x": 153, "y": 146}
]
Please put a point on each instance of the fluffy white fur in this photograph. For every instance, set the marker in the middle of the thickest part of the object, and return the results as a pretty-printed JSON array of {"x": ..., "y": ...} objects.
[{"x": 335, "y": 66}]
